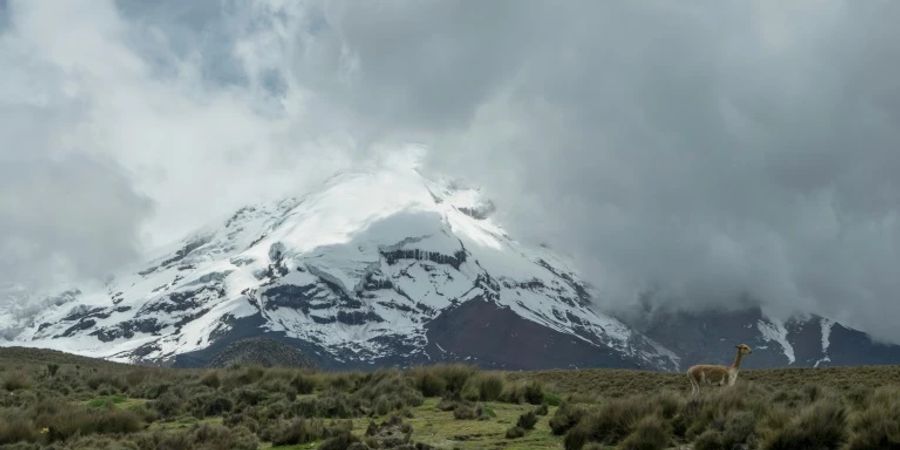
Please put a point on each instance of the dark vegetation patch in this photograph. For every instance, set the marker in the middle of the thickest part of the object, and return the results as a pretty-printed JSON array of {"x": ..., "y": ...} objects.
[{"x": 57, "y": 401}]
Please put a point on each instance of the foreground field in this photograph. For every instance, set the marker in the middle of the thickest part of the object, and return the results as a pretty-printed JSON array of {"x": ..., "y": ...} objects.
[{"x": 54, "y": 400}]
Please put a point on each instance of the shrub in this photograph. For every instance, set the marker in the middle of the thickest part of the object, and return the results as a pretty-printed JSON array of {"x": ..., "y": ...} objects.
[
  {"x": 200, "y": 437},
  {"x": 454, "y": 376},
  {"x": 541, "y": 410},
  {"x": 879, "y": 425},
  {"x": 565, "y": 417},
  {"x": 515, "y": 432},
  {"x": 15, "y": 427},
  {"x": 64, "y": 424},
  {"x": 464, "y": 411},
  {"x": 527, "y": 420},
  {"x": 168, "y": 405},
  {"x": 651, "y": 433},
  {"x": 211, "y": 379},
  {"x": 341, "y": 441},
  {"x": 100, "y": 379},
  {"x": 293, "y": 432},
  {"x": 821, "y": 426},
  {"x": 217, "y": 437},
  {"x": 484, "y": 387},
  {"x": 16, "y": 380},
  {"x": 471, "y": 391},
  {"x": 610, "y": 424},
  {"x": 134, "y": 378},
  {"x": 430, "y": 384},
  {"x": 52, "y": 369},
  {"x": 531, "y": 392},
  {"x": 206, "y": 405},
  {"x": 534, "y": 393},
  {"x": 303, "y": 384},
  {"x": 447, "y": 404}
]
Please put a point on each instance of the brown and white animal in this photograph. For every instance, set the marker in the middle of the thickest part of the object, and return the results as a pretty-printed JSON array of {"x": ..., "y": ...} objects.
[{"x": 717, "y": 375}]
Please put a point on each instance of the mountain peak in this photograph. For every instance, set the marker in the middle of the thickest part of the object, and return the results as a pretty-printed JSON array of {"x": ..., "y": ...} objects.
[{"x": 364, "y": 270}]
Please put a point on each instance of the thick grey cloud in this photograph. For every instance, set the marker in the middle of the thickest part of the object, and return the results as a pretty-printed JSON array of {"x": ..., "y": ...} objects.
[{"x": 705, "y": 152}]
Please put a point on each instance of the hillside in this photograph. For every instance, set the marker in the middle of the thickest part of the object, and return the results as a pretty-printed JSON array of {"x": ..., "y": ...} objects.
[{"x": 100, "y": 405}]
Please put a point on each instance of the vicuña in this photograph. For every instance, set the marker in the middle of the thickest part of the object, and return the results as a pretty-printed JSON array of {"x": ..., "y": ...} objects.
[{"x": 715, "y": 375}]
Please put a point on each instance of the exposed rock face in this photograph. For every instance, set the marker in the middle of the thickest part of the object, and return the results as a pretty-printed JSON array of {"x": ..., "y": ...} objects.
[{"x": 260, "y": 352}]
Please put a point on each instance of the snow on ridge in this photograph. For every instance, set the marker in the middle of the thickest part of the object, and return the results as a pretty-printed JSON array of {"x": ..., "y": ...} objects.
[
  {"x": 826, "y": 326},
  {"x": 773, "y": 330},
  {"x": 444, "y": 249}
]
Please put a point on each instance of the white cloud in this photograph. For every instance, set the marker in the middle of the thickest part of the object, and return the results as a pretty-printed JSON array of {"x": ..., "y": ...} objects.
[{"x": 709, "y": 152}]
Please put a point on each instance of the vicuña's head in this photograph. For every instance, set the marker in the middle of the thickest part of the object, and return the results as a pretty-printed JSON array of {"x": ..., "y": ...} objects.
[{"x": 744, "y": 349}]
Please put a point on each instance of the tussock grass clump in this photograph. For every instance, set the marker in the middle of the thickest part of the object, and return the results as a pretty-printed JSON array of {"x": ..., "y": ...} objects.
[
  {"x": 515, "y": 432},
  {"x": 429, "y": 383},
  {"x": 610, "y": 424},
  {"x": 566, "y": 417},
  {"x": 486, "y": 387},
  {"x": 527, "y": 421},
  {"x": 210, "y": 405},
  {"x": 651, "y": 433},
  {"x": 443, "y": 379},
  {"x": 301, "y": 431},
  {"x": 168, "y": 405},
  {"x": 821, "y": 426},
  {"x": 211, "y": 379},
  {"x": 200, "y": 437},
  {"x": 303, "y": 384},
  {"x": 738, "y": 429},
  {"x": 464, "y": 411},
  {"x": 16, "y": 380},
  {"x": 531, "y": 392},
  {"x": 16, "y": 427},
  {"x": 341, "y": 441},
  {"x": 84, "y": 421},
  {"x": 878, "y": 426}
]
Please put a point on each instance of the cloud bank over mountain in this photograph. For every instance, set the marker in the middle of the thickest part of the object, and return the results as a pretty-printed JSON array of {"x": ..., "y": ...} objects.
[{"x": 696, "y": 155}]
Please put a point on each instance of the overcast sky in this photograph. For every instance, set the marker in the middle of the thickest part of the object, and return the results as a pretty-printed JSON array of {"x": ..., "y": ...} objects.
[{"x": 706, "y": 151}]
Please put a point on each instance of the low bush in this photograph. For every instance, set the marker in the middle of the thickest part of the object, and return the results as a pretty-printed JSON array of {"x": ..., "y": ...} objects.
[
  {"x": 16, "y": 380},
  {"x": 211, "y": 379},
  {"x": 464, "y": 411},
  {"x": 651, "y": 433},
  {"x": 878, "y": 426},
  {"x": 84, "y": 421},
  {"x": 303, "y": 384},
  {"x": 16, "y": 427},
  {"x": 485, "y": 387},
  {"x": 566, "y": 417},
  {"x": 515, "y": 432},
  {"x": 429, "y": 383},
  {"x": 610, "y": 424},
  {"x": 821, "y": 426},
  {"x": 341, "y": 441},
  {"x": 527, "y": 420}
]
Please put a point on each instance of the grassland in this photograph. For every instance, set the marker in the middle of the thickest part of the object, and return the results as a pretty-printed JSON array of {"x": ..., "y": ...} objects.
[{"x": 51, "y": 400}]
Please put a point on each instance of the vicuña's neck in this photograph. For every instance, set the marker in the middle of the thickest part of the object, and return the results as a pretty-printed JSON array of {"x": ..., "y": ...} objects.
[{"x": 737, "y": 360}]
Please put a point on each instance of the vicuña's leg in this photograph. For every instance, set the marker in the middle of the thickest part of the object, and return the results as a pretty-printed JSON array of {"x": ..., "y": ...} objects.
[{"x": 695, "y": 387}]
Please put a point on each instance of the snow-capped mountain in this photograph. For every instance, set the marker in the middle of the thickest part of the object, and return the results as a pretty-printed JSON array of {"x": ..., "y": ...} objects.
[
  {"x": 810, "y": 341},
  {"x": 382, "y": 267}
]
